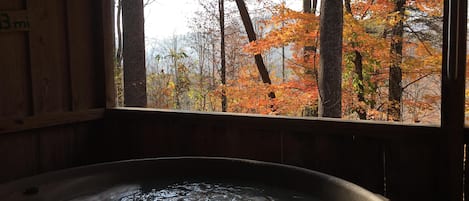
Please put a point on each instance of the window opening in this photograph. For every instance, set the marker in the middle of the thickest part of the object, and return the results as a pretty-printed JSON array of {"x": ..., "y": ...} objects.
[{"x": 390, "y": 64}]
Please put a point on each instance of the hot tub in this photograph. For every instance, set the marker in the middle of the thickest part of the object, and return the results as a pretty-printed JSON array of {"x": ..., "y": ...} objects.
[{"x": 185, "y": 178}]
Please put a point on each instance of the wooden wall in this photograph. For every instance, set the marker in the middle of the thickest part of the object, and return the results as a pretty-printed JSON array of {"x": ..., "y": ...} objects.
[
  {"x": 53, "y": 59},
  {"x": 400, "y": 162}
]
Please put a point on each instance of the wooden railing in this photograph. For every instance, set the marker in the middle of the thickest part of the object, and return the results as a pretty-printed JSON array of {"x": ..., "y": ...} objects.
[{"x": 398, "y": 161}]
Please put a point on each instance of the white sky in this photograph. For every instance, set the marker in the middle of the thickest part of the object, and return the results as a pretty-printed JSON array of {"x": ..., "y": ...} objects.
[{"x": 164, "y": 18}]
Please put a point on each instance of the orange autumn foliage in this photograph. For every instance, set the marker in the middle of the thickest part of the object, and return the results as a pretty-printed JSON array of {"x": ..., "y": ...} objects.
[{"x": 367, "y": 30}]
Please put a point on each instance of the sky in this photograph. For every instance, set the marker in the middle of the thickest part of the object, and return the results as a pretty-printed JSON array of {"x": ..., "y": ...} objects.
[{"x": 165, "y": 18}]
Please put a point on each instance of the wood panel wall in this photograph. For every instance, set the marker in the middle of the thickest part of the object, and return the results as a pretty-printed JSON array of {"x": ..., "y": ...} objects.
[
  {"x": 54, "y": 71},
  {"x": 400, "y": 162}
]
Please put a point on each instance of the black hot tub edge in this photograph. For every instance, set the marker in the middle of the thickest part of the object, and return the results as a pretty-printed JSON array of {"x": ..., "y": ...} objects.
[{"x": 73, "y": 182}]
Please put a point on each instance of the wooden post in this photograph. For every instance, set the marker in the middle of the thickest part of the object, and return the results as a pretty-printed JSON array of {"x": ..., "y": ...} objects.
[
  {"x": 108, "y": 51},
  {"x": 452, "y": 102},
  {"x": 134, "y": 54}
]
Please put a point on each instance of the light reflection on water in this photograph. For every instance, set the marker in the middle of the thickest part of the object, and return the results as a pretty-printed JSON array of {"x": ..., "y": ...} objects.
[{"x": 202, "y": 191}]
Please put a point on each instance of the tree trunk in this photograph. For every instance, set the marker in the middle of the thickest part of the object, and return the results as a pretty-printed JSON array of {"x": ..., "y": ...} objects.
[
  {"x": 358, "y": 64},
  {"x": 134, "y": 54},
  {"x": 357, "y": 61},
  {"x": 330, "y": 72},
  {"x": 315, "y": 6},
  {"x": 119, "y": 33},
  {"x": 222, "y": 54},
  {"x": 348, "y": 7},
  {"x": 308, "y": 50},
  {"x": 310, "y": 71},
  {"x": 395, "y": 72},
  {"x": 252, "y": 37},
  {"x": 307, "y": 6}
]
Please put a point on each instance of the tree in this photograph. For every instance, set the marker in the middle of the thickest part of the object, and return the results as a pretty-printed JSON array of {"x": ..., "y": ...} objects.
[
  {"x": 358, "y": 69},
  {"x": 136, "y": 12},
  {"x": 222, "y": 53},
  {"x": 134, "y": 54},
  {"x": 330, "y": 71},
  {"x": 252, "y": 37},
  {"x": 395, "y": 71}
]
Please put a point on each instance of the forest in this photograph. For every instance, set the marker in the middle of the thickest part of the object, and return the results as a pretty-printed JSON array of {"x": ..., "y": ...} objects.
[{"x": 352, "y": 59}]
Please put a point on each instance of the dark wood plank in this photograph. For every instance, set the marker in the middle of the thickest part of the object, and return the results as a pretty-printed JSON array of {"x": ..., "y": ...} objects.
[
  {"x": 453, "y": 100},
  {"x": 412, "y": 170},
  {"x": 84, "y": 147},
  {"x": 86, "y": 66},
  {"x": 48, "y": 53},
  {"x": 382, "y": 130},
  {"x": 107, "y": 23},
  {"x": 69, "y": 145},
  {"x": 14, "y": 21},
  {"x": 403, "y": 166},
  {"x": 466, "y": 172},
  {"x": 366, "y": 164},
  {"x": 13, "y": 5},
  {"x": 19, "y": 156},
  {"x": 355, "y": 159},
  {"x": 55, "y": 148},
  {"x": 15, "y": 87},
  {"x": 47, "y": 120},
  {"x": 251, "y": 143}
]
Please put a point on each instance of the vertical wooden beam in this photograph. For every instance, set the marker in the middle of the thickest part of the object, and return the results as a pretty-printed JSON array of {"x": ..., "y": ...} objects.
[
  {"x": 19, "y": 156},
  {"x": 47, "y": 43},
  {"x": 452, "y": 103},
  {"x": 85, "y": 54},
  {"x": 108, "y": 51},
  {"x": 134, "y": 54},
  {"x": 15, "y": 87},
  {"x": 466, "y": 171}
]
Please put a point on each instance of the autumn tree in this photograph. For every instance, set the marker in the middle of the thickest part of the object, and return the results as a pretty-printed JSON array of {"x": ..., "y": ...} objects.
[
  {"x": 222, "y": 53},
  {"x": 243, "y": 11},
  {"x": 357, "y": 60},
  {"x": 330, "y": 70},
  {"x": 365, "y": 66},
  {"x": 134, "y": 54},
  {"x": 119, "y": 52},
  {"x": 395, "y": 71}
]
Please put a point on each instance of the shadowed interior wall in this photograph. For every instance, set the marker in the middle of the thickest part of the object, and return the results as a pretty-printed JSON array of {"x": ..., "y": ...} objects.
[{"x": 53, "y": 58}]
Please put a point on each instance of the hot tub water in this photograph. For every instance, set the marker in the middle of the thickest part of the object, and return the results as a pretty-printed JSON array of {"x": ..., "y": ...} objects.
[{"x": 215, "y": 191}]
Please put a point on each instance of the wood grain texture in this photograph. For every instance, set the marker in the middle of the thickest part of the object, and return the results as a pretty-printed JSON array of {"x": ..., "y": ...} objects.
[
  {"x": 14, "y": 21},
  {"x": 52, "y": 86},
  {"x": 48, "y": 120},
  {"x": 41, "y": 150},
  {"x": 55, "y": 148},
  {"x": 453, "y": 100},
  {"x": 48, "y": 53},
  {"x": 15, "y": 87},
  {"x": 19, "y": 156},
  {"x": 398, "y": 161},
  {"x": 86, "y": 64},
  {"x": 466, "y": 171},
  {"x": 412, "y": 170},
  {"x": 107, "y": 24}
]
